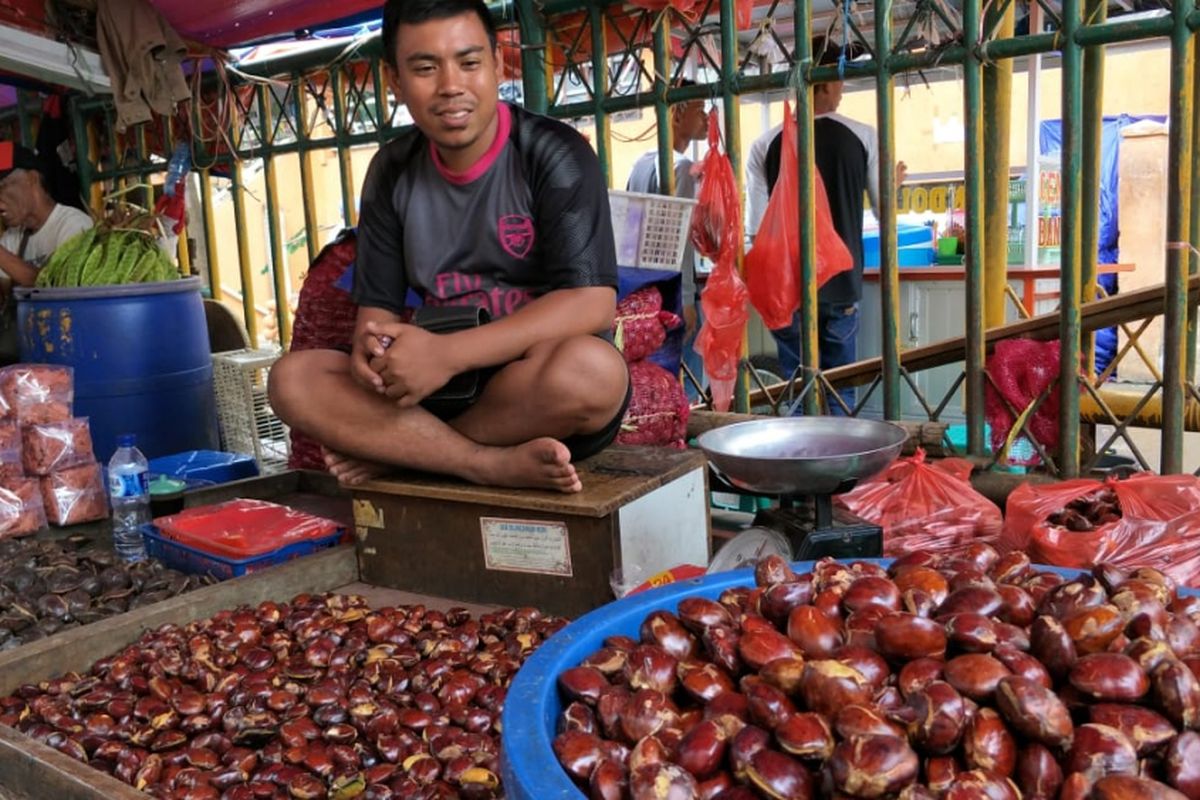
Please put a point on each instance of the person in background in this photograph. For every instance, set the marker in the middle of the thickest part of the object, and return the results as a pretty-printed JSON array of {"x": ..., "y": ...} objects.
[
  {"x": 35, "y": 225},
  {"x": 481, "y": 205},
  {"x": 847, "y": 156},
  {"x": 689, "y": 124}
]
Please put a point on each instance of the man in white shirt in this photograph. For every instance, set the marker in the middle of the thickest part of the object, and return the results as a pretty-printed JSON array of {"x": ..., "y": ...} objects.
[
  {"x": 34, "y": 224},
  {"x": 689, "y": 123}
]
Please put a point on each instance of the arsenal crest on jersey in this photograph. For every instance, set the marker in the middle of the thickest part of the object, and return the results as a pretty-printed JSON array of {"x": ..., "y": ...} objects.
[{"x": 516, "y": 235}]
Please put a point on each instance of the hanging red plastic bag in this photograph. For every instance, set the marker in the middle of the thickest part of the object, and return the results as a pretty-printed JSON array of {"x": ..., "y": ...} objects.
[
  {"x": 1022, "y": 369},
  {"x": 717, "y": 234},
  {"x": 773, "y": 263},
  {"x": 686, "y": 8},
  {"x": 925, "y": 506},
  {"x": 1145, "y": 521},
  {"x": 745, "y": 14}
]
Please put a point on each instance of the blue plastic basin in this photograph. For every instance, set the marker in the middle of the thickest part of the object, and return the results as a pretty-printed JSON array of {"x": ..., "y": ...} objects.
[{"x": 531, "y": 710}]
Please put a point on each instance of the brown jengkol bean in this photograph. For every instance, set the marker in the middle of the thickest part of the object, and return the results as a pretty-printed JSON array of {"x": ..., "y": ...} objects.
[{"x": 976, "y": 677}]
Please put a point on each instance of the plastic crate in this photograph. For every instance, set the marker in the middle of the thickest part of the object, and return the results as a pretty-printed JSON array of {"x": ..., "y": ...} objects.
[
  {"x": 248, "y": 423},
  {"x": 190, "y": 560},
  {"x": 206, "y": 465},
  {"x": 651, "y": 230}
]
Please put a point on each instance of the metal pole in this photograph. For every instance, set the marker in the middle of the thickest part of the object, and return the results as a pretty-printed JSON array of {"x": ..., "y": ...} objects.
[
  {"x": 210, "y": 235},
  {"x": 1179, "y": 170},
  {"x": 83, "y": 149},
  {"x": 662, "y": 112},
  {"x": 341, "y": 130},
  {"x": 1093, "y": 129},
  {"x": 249, "y": 312},
  {"x": 24, "y": 121},
  {"x": 600, "y": 91},
  {"x": 997, "y": 115},
  {"x": 308, "y": 195},
  {"x": 889, "y": 265},
  {"x": 976, "y": 355},
  {"x": 534, "y": 57},
  {"x": 1071, "y": 248},
  {"x": 279, "y": 270},
  {"x": 731, "y": 111}
]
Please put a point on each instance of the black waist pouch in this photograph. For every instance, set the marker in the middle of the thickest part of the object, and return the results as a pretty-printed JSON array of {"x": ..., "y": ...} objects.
[{"x": 465, "y": 387}]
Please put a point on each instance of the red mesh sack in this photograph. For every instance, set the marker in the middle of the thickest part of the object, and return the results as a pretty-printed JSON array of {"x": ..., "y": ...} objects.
[
  {"x": 1022, "y": 369},
  {"x": 773, "y": 263},
  {"x": 658, "y": 410},
  {"x": 717, "y": 234},
  {"x": 640, "y": 325},
  {"x": 325, "y": 317},
  {"x": 923, "y": 505},
  {"x": 1147, "y": 520}
]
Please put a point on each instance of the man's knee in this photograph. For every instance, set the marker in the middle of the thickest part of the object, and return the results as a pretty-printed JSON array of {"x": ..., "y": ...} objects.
[
  {"x": 586, "y": 374},
  {"x": 293, "y": 376}
]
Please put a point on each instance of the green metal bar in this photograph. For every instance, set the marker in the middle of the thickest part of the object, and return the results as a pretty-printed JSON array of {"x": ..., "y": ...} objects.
[
  {"x": 1093, "y": 125},
  {"x": 381, "y": 92},
  {"x": 275, "y": 238},
  {"x": 662, "y": 112},
  {"x": 805, "y": 150},
  {"x": 976, "y": 355},
  {"x": 83, "y": 155},
  {"x": 238, "y": 192},
  {"x": 599, "y": 91},
  {"x": 24, "y": 120},
  {"x": 733, "y": 149},
  {"x": 1071, "y": 249},
  {"x": 307, "y": 190},
  {"x": 533, "y": 57},
  {"x": 342, "y": 128},
  {"x": 1179, "y": 171},
  {"x": 889, "y": 263}
]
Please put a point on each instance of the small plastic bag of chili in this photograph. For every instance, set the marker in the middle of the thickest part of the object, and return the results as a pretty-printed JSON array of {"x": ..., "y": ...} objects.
[
  {"x": 57, "y": 445},
  {"x": 36, "y": 393},
  {"x": 11, "y": 465},
  {"x": 925, "y": 505},
  {"x": 1146, "y": 520},
  {"x": 75, "y": 495},
  {"x": 21, "y": 509}
]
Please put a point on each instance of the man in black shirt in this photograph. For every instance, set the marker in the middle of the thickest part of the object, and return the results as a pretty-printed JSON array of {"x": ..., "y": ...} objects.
[
  {"x": 847, "y": 156},
  {"x": 481, "y": 205}
]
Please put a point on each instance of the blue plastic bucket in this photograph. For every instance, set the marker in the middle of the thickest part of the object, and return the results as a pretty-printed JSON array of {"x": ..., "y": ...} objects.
[
  {"x": 141, "y": 359},
  {"x": 529, "y": 769}
]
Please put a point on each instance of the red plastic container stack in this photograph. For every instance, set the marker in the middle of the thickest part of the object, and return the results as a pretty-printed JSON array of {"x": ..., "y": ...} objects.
[{"x": 48, "y": 470}]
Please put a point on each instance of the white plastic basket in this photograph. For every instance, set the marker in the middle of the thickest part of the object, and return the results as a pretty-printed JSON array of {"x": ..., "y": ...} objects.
[
  {"x": 248, "y": 424},
  {"x": 651, "y": 230}
]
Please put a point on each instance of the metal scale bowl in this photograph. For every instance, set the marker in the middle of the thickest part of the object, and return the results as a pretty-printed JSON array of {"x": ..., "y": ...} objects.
[{"x": 803, "y": 462}]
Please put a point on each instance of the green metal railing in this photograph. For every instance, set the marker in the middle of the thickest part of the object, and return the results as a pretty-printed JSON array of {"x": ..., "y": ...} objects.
[{"x": 320, "y": 106}]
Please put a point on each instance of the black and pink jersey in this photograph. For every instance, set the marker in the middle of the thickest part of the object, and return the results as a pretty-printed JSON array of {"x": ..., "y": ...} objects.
[{"x": 531, "y": 217}]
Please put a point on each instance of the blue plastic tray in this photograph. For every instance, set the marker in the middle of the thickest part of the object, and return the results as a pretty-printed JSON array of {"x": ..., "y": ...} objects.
[
  {"x": 528, "y": 767},
  {"x": 188, "y": 559},
  {"x": 208, "y": 465}
]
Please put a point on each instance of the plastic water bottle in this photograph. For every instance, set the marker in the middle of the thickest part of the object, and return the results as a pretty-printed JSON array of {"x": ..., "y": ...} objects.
[
  {"x": 129, "y": 490},
  {"x": 179, "y": 165}
]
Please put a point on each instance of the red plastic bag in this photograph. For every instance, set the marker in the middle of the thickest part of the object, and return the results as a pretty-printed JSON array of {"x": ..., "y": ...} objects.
[
  {"x": 1022, "y": 369},
  {"x": 925, "y": 506},
  {"x": 686, "y": 8},
  {"x": 658, "y": 411},
  {"x": 640, "y": 325},
  {"x": 745, "y": 14},
  {"x": 1158, "y": 525},
  {"x": 773, "y": 263},
  {"x": 717, "y": 234}
]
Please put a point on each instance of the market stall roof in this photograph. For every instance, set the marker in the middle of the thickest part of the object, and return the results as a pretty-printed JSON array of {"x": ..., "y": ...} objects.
[{"x": 218, "y": 24}]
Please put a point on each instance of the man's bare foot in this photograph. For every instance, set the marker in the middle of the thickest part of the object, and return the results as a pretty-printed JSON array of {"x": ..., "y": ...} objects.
[
  {"x": 540, "y": 464},
  {"x": 352, "y": 471}
]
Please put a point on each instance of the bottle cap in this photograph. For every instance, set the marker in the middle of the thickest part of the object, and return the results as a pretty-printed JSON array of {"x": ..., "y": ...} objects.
[{"x": 126, "y": 440}]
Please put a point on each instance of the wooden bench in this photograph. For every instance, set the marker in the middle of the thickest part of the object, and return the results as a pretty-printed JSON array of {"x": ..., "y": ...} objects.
[{"x": 642, "y": 510}]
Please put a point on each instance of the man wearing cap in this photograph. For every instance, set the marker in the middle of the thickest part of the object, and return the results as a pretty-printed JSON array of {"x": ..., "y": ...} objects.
[{"x": 34, "y": 224}]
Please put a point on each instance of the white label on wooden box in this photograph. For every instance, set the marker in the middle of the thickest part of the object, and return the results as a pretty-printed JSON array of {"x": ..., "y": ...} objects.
[{"x": 524, "y": 545}]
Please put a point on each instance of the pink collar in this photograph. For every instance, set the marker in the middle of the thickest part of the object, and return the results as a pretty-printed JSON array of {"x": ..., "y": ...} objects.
[{"x": 476, "y": 171}]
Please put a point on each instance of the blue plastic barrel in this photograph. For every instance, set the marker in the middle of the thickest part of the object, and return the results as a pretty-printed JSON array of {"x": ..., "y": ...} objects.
[
  {"x": 141, "y": 359},
  {"x": 529, "y": 769}
]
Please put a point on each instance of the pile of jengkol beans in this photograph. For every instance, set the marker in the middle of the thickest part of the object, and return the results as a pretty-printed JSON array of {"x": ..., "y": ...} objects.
[
  {"x": 321, "y": 697},
  {"x": 977, "y": 676}
]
